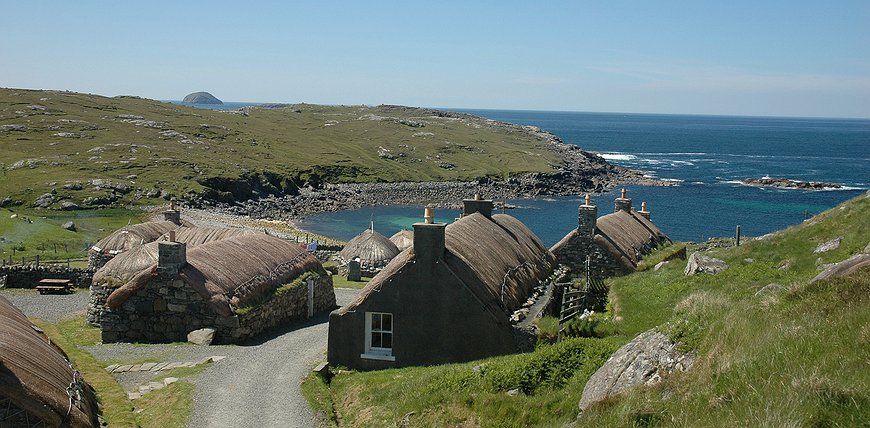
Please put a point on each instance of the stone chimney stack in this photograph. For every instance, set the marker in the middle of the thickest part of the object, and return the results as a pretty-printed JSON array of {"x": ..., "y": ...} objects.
[
  {"x": 643, "y": 210},
  {"x": 477, "y": 205},
  {"x": 429, "y": 239},
  {"x": 623, "y": 203},
  {"x": 172, "y": 214},
  {"x": 588, "y": 215},
  {"x": 171, "y": 257}
]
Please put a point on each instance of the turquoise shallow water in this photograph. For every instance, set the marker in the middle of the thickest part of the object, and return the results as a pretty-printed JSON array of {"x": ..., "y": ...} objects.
[{"x": 706, "y": 155}]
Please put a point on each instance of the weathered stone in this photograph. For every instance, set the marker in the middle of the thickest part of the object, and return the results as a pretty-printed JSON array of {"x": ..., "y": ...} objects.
[
  {"x": 845, "y": 267},
  {"x": 643, "y": 361},
  {"x": 69, "y": 206},
  {"x": 706, "y": 264},
  {"x": 203, "y": 336},
  {"x": 44, "y": 201},
  {"x": 173, "y": 307},
  {"x": 829, "y": 245},
  {"x": 769, "y": 289},
  {"x": 659, "y": 265},
  {"x": 169, "y": 381}
]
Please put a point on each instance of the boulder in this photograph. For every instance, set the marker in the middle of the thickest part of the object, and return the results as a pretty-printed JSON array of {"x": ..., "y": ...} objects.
[
  {"x": 659, "y": 265},
  {"x": 203, "y": 336},
  {"x": 643, "y": 361},
  {"x": 829, "y": 245},
  {"x": 69, "y": 226},
  {"x": 706, "y": 264},
  {"x": 769, "y": 289},
  {"x": 45, "y": 200},
  {"x": 73, "y": 186},
  {"x": 845, "y": 267},
  {"x": 69, "y": 206}
]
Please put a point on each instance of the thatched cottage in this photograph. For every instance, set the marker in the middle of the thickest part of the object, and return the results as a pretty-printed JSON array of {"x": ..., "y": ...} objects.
[
  {"x": 372, "y": 249},
  {"x": 123, "y": 267},
  {"x": 403, "y": 239},
  {"x": 448, "y": 298},
  {"x": 240, "y": 286},
  {"x": 38, "y": 385},
  {"x": 615, "y": 243},
  {"x": 131, "y": 236}
]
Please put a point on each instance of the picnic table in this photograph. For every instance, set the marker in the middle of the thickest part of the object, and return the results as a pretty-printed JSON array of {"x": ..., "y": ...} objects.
[{"x": 52, "y": 286}]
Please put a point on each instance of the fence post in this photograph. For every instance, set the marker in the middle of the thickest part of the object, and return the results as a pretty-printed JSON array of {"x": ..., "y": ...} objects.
[
  {"x": 37, "y": 261},
  {"x": 738, "y": 235}
]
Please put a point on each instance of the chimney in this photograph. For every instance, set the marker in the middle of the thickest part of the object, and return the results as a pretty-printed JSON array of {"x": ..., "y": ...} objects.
[
  {"x": 171, "y": 257},
  {"x": 477, "y": 205},
  {"x": 429, "y": 239},
  {"x": 172, "y": 214},
  {"x": 587, "y": 217},
  {"x": 622, "y": 203},
  {"x": 643, "y": 212}
]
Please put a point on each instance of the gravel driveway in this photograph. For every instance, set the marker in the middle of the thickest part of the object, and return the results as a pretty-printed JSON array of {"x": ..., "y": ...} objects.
[{"x": 48, "y": 307}]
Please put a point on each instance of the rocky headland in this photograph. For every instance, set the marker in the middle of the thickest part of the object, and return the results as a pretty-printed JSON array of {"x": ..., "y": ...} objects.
[
  {"x": 785, "y": 183},
  {"x": 201, "y": 98}
]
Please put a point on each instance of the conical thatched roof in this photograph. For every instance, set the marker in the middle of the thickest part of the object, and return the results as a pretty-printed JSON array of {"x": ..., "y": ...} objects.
[
  {"x": 631, "y": 233},
  {"x": 237, "y": 270},
  {"x": 131, "y": 236},
  {"x": 403, "y": 239},
  {"x": 35, "y": 375},
  {"x": 373, "y": 249},
  {"x": 124, "y": 266}
]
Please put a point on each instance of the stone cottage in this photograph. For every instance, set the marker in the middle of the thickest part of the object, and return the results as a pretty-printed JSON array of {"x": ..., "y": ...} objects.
[
  {"x": 131, "y": 236},
  {"x": 124, "y": 266},
  {"x": 372, "y": 249},
  {"x": 38, "y": 385},
  {"x": 448, "y": 298},
  {"x": 239, "y": 286},
  {"x": 616, "y": 242}
]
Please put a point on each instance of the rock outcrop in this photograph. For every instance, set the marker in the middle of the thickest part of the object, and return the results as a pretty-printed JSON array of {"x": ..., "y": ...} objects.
[
  {"x": 785, "y": 183},
  {"x": 845, "y": 267},
  {"x": 643, "y": 361},
  {"x": 706, "y": 264},
  {"x": 829, "y": 245},
  {"x": 201, "y": 98}
]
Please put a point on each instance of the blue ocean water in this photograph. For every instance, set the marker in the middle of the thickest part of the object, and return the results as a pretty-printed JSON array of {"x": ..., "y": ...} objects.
[{"x": 705, "y": 155}]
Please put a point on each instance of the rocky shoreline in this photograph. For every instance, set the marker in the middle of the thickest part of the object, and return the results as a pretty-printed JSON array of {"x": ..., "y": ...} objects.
[{"x": 786, "y": 183}]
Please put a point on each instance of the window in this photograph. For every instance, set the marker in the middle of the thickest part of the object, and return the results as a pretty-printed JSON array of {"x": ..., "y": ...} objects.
[{"x": 379, "y": 336}]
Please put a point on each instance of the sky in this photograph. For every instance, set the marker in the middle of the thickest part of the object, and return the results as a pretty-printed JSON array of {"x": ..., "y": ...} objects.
[{"x": 754, "y": 58}]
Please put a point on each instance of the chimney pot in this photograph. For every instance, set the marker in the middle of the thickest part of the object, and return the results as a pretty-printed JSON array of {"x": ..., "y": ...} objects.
[{"x": 428, "y": 215}]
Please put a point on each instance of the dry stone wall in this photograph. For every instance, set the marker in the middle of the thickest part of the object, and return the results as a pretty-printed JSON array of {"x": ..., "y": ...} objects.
[
  {"x": 574, "y": 253},
  {"x": 28, "y": 275}
]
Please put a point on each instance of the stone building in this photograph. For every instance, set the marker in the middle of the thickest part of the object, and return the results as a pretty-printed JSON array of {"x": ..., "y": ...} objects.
[
  {"x": 448, "y": 298},
  {"x": 131, "y": 236},
  {"x": 123, "y": 267},
  {"x": 616, "y": 242},
  {"x": 38, "y": 385},
  {"x": 239, "y": 286},
  {"x": 372, "y": 249}
]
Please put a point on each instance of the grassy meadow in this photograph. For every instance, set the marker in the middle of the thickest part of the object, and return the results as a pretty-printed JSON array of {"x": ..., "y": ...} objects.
[{"x": 795, "y": 354}]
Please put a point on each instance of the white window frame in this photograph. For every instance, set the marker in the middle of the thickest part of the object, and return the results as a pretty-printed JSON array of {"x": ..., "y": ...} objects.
[{"x": 378, "y": 353}]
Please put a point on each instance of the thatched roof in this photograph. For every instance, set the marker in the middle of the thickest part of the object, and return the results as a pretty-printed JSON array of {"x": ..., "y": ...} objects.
[
  {"x": 131, "y": 236},
  {"x": 631, "y": 234},
  {"x": 35, "y": 375},
  {"x": 124, "y": 266},
  {"x": 403, "y": 239},
  {"x": 373, "y": 249},
  {"x": 237, "y": 270},
  {"x": 498, "y": 259}
]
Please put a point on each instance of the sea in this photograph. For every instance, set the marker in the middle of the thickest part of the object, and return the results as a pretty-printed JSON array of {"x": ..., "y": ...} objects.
[{"x": 705, "y": 156}]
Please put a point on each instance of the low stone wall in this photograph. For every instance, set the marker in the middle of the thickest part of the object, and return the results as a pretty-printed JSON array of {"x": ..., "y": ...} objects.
[
  {"x": 573, "y": 255},
  {"x": 28, "y": 275},
  {"x": 97, "y": 303},
  {"x": 97, "y": 260},
  {"x": 165, "y": 311}
]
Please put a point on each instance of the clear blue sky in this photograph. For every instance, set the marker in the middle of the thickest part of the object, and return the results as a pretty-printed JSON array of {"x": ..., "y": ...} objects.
[{"x": 775, "y": 58}]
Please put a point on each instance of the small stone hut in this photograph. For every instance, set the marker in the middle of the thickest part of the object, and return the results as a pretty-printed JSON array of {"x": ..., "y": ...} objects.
[
  {"x": 403, "y": 239},
  {"x": 448, "y": 298},
  {"x": 373, "y": 250},
  {"x": 38, "y": 385},
  {"x": 123, "y": 267},
  {"x": 239, "y": 286},
  {"x": 615, "y": 243},
  {"x": 131, "y": 236}
]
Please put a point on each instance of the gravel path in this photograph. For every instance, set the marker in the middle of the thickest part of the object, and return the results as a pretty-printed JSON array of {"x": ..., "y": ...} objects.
[
  {"x": 47, "y": 307},
  {"x": 258, "y": 385}
]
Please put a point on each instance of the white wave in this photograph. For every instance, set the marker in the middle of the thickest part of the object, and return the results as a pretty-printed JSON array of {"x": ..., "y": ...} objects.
[
  {"x": 617, "y": 156},
  {"x": 675, "y": 180}
]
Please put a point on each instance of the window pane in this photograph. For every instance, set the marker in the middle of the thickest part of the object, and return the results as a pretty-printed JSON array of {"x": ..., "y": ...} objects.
[
  {"x": 376, "y": 321},
  {"x": 376, "y": 340},
  {"x": 387, "y": 340},
  {"x": 387, "y": 324}
]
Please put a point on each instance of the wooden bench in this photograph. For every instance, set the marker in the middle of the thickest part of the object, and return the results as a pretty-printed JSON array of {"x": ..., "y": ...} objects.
[{"x": 54, "y": 286}]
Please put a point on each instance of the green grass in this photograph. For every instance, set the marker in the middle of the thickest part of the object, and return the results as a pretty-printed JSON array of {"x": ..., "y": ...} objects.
[
  {"x": 273, "y": 149},
  {"x": 339, "y": 281},
  {"x": 797, "y": 357}
]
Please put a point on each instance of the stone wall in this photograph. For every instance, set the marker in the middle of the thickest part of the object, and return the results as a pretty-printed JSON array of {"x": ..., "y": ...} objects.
[
  {"x": 28, "y": 275},
  {"x": 97, "y": 260},
  {"x": 166, "y": 310},
  {"x": 97, "y": 303},
  {"x": 573, "y": 255}
]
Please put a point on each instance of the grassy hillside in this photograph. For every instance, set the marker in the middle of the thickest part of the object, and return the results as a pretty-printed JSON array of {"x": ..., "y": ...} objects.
[
  {"x": 795, "y": 355},
  {"x": 50, "y": 139}
]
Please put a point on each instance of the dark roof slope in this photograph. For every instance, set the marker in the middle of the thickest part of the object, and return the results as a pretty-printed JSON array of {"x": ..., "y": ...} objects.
[
  {"x": 130, "y": 236},
  {"x": 35, "y": 375},
  {"x": 235, "y": 270},
  {"x": 631, "y": 234},
  {"x": 371, "y": 247}
]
